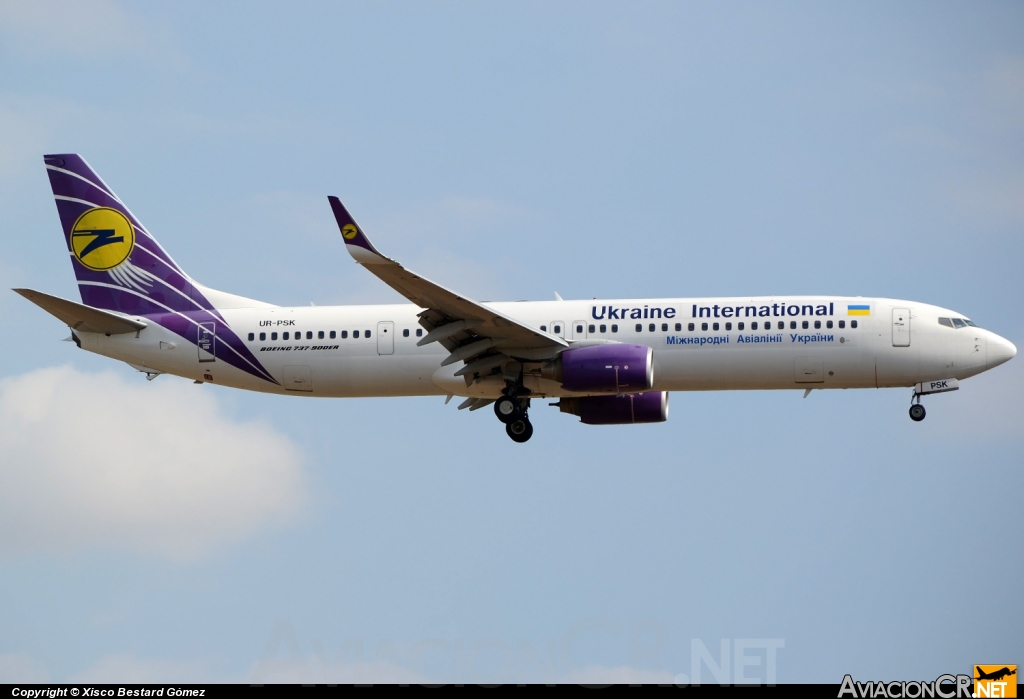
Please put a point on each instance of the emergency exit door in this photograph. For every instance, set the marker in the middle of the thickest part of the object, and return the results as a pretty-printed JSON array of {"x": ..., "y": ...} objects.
[
  {"x": 901, "y": 327},
  {"x": 385, "y": 337}
]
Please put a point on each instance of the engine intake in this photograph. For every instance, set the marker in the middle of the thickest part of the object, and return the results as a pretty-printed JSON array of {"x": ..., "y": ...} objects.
[
  {"x": 617, "y": 368},
  {"x": 630, "y": 409}
]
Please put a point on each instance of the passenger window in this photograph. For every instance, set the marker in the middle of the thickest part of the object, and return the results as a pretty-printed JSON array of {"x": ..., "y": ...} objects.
[
  {"x": 828, "y": 324},
  {"x": 651, "y": 327},
  {"x": 664, "y": 327},
  {"x": 355, "y": 334},
  {"x": 333, "y": 335},
  {"x": 739, "y": 326},
  {"x": 591, "y": 329},
  {"x": 714, "y": 326},
  {"x": 366, "y": 333},
  {"x": 690, "y": 327},
  {"x": 543, "y": 328},
  {"x": 959, "y": 323},
  {"x": 419, "y": 332},
  {"x": 817, "y": 325},
  {"x": 252, "y": 336},
  {"x": 679, "y": 327},
  {"x": 284, "y": 336},
  {"x": 263, "y": 337},
  {"x": 615, "y": 328},
  {"x": 753, "y": 326},
  {"x": 558, "y": 329},
  {"x": 344, "y": 334},
  {"x": 405, "y": 332},
  {"x": 728, "y": 326},
  {"x": 792, "y": 325},
  {"x": 853, "y": 324},
  {"x": 842, "y": 324},
  {"x": 273, "y": 336},
  {"x": 579, "y": 329},
  {"x": 320, "y": 335},
  {"x": 639, "y": 327},
  {"x": 804, "y": 325},
  {"x": 703, "y": 326},
  {"x": 604, "y": 328}
]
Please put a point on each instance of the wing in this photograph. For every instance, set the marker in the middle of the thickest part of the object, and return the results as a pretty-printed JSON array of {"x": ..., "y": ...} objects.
[
  {"x": 79, "y": 317},
  {"x": 471, "y": 331}
]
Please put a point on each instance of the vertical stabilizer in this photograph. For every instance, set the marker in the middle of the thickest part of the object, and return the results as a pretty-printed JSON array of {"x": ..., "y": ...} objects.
[{"x": 119, "y": 265}]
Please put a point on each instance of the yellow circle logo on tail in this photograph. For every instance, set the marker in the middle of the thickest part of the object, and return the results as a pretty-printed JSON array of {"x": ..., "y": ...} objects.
[
  {"x": 349, "y": 231},
  {"x": 102, "y": 238}
]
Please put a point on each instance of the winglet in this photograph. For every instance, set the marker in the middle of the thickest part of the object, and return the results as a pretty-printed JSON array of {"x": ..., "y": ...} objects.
[{"x": 358, "y": 245}]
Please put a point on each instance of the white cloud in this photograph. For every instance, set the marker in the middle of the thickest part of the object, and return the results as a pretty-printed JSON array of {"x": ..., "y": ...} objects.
[
  {"x": 126, "y": 668},
  {"x": 22, "y": 669},
  {"x": 597, "y": 674},
  {"x": 360, "y": 672},
  {"x": 92, "y": 460}
]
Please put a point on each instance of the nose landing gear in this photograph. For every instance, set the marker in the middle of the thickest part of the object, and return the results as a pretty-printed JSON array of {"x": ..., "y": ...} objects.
[{"x": 917, "y": 411}]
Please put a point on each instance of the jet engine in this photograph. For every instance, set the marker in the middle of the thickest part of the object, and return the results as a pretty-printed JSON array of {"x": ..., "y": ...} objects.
[
  {"x": 614, "y": 367},
  {"x": 628, "y": 409}
]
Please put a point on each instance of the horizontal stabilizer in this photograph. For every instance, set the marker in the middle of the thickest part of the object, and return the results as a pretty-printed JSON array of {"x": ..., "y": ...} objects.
[{"x": 79, "y": 317}]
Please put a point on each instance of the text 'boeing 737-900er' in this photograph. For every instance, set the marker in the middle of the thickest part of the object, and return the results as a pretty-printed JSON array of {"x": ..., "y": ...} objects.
[{"x": 607, "y": 361}]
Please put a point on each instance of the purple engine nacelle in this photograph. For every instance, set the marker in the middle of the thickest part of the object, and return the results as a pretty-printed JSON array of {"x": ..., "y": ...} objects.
[
  {"x": 613, "y": 367},
  {"x": 630, "y": 409}
]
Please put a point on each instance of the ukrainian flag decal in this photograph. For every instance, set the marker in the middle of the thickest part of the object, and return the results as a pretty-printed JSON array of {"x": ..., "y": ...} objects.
[{"x": 858, "y": 310}]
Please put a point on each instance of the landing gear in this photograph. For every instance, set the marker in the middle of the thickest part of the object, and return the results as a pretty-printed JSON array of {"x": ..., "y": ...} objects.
[
  {"x": 520, "y": 430},
  {"x": 507, "y": 409},
  {"x": 512, "y": 410},
  {"x": 917, "y": 412}
]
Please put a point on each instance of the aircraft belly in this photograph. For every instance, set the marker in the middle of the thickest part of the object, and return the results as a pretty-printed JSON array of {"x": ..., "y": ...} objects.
[{"x": 758, "y": 368}]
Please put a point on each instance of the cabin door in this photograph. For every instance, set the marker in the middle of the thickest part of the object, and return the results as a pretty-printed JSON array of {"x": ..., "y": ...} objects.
[
  {"x": 579, "y": 329},
  {"x": 901, "y": 327},
  {"x": 206, "y": 340},
  {"x": 558, "y": 328}
]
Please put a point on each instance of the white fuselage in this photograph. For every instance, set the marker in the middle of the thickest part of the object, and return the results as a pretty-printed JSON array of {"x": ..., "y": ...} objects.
[{"x": 880, "y": 351}]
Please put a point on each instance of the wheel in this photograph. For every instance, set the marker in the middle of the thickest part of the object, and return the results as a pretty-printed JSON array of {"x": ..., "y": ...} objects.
[
  {"x": 917, "y": 412},
  {"x": 519, "y": 430},
  {"x": 507, "y": 409}
]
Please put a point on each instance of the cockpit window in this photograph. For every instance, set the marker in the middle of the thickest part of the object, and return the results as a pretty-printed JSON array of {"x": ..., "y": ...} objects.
[
  {"x": 970, "y": 322},
  {"x": 959, "y": 323},
  {"x": 946, "y": 321}
]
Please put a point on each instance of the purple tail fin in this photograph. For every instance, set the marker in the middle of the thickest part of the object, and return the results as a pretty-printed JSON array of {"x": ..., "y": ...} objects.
[{"x": 119, "y": 265}]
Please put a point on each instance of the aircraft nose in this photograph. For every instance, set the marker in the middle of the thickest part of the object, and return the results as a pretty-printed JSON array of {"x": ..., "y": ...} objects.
[{"x": 1000, "y": 350}]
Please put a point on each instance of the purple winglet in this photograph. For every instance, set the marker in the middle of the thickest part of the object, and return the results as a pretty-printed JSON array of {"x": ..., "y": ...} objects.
[{"x": 351, "y": 232}]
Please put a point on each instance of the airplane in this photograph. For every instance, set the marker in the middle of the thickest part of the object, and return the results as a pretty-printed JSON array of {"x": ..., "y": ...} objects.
[
  {"x": 607, "y": 361},
  {"x": 995, "y": 675}
]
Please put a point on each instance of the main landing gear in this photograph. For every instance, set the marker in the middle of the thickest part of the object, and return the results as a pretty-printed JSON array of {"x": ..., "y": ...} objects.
[{"x": 513, "y": 411}]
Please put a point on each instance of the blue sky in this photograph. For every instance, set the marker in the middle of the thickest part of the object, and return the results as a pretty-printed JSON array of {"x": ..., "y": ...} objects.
[{"x": 511, "y": 151}]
